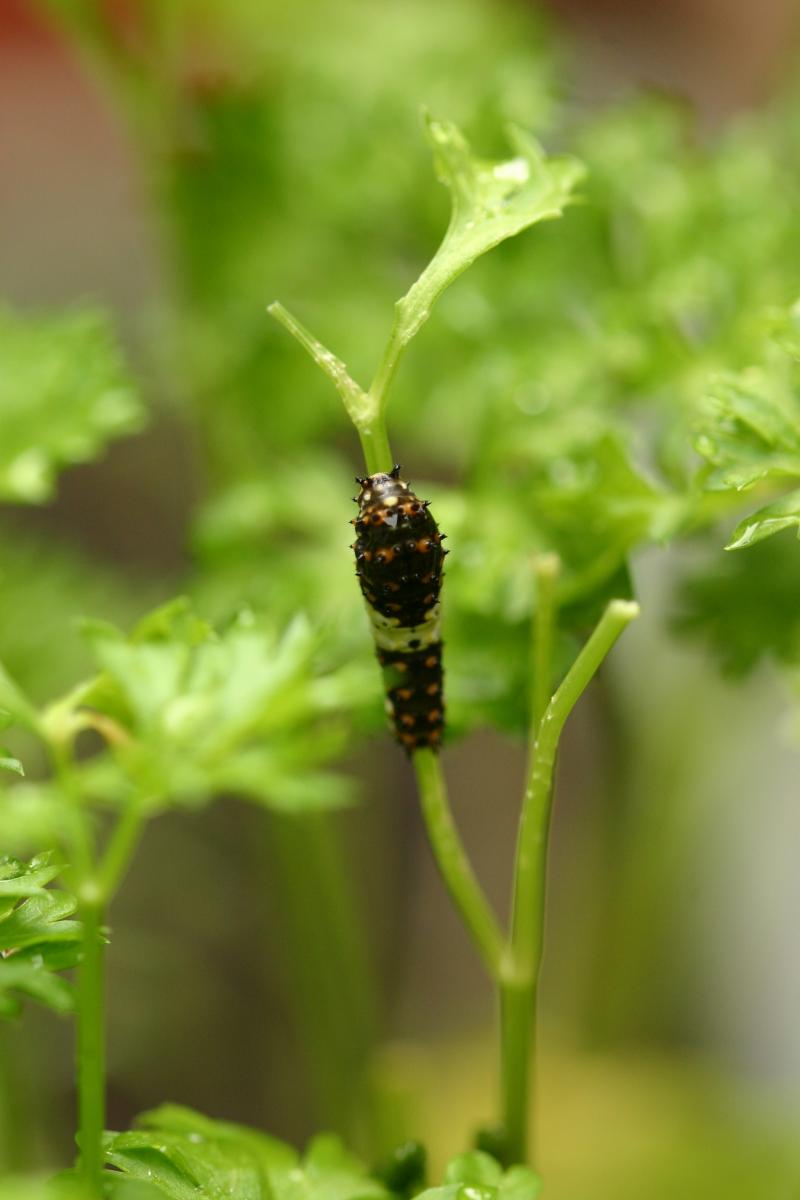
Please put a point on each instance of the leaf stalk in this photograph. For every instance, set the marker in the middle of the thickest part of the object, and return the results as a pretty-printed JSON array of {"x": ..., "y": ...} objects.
[
  {"x": 453, "y": 862},
  {"x": 528, "y": 901},
  {"x": 91, "y": 1049}
]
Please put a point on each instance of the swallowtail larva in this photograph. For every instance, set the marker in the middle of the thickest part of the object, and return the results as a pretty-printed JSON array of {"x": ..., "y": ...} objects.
[{"x": 399, "y": 559}]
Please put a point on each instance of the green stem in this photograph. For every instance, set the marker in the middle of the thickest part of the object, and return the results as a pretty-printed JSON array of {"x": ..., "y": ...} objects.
[
  {"x": 365, "y": 409},
  {"x": 517, "y": 1033},
  {"x": 527, "y": 918},
  {"x": 90, "y": 1047},
  {"x": 120, "y": 849},
  {"x": 91, "y": 1041},
  {"x": 384, "y": 376},
  {"x": 453, "y": 863},
  {"x": 518, "y": 991},
  {"x": 531, "y": 845},
  {"x": 78, "y": 832},
  {"x": 376, "y": 448},
  {"x": 546, "y": 568}
]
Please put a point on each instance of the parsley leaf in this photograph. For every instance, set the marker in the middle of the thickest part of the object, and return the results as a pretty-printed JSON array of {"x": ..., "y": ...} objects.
[
  {"x": 65, "y": 392},
  {"x": 491, "y": 201},
  {"x": 750, "y": 434},
  {"x": 198, "y": 713},
  {"x": 190, "y": 1157},
  {"x": 37, "y": 939}
]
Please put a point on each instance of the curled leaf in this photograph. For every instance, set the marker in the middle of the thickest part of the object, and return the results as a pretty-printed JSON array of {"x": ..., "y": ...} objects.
[{"x": 491, "y": 201}]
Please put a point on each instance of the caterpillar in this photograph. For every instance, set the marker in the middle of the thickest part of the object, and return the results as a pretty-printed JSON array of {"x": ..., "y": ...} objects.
[{"x": 399, "y": 559}]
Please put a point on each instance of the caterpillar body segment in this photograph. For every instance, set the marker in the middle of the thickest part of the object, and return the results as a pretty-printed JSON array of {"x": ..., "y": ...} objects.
[{"x": 399, "y": 560}]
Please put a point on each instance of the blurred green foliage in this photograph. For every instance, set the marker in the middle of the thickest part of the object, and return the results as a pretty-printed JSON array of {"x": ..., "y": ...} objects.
[
  {"x": 39, "y": 641},
  {"x": 181, "y": 713},
  {"x": 65, "y": 392},
  {"x": 244, "y": 712},
  {"x": 751, "y": 432},
  {"x": 605, "y": 383},
  {"x": 564, "y": 378},
  {"x": 185, "y": 1154},
  {"x": 744, "y": 606},
  {"x": 476, "y": 1170}
]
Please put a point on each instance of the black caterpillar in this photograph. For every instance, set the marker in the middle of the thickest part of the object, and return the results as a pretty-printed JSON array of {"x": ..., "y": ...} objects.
[{"x": 399, "y": 560}]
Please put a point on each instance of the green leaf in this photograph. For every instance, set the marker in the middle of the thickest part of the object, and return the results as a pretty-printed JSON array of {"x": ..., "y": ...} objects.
[
  {"x": 181, "y": 1169},
  {"x": 37, "y": 939},
  {"x": 752, "y": 429},
  {"x": 9, "y": 763},
  {"x": 571, "y": 487},
  {"x": 121, "y": 1187},
  {"x": 490, "y": 202},
  {"x": 519, "y": 1183},
  {"x": 39, "y": 921},
  {"x": 781, "y": 514},
  {"x": 64, "y": 393},
  {"x": 26, "y": 977},
  {"x": 474, "y": 1167},
  {"x": 20, "y": 879},
  {"x": 188, "y": 1156},
  {"x": 268, "y": 1151},
  {"x": 173, "y": 621},
  {"x": 329, "y": 1171},
  {"x": 475, "y": 1175},
  {"x": 14, "y": 704},
  {"x": 199, "y": 713},
  {"x": 751, "y": 433},
  {"x": 744, "y": 606}
]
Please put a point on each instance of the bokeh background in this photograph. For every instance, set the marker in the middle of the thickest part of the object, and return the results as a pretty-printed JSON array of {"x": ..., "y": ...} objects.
[{"x": 292, "y": 165}]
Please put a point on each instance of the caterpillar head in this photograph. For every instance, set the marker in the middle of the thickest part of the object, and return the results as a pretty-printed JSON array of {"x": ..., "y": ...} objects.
[{"x": 376, "y": 489}]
